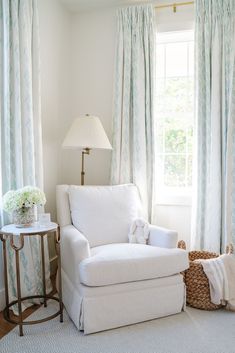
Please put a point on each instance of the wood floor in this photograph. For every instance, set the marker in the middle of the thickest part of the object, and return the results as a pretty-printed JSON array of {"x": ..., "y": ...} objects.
[{"x": 6, "y": 327}]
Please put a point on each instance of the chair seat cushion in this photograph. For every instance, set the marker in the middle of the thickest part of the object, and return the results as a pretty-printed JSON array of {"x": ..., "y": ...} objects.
[{"x": 121, "y": 263}]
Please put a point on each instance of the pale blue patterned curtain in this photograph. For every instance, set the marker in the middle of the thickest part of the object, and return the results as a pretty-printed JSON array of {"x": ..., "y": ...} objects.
[
  {"x": 20, "y": 123},
  {"x": 133, "y": 120},
  {"x": 214, "y": 200}
]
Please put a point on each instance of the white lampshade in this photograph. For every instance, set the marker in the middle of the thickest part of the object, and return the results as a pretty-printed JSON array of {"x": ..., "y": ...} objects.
[{"x": 87, "y": 132}]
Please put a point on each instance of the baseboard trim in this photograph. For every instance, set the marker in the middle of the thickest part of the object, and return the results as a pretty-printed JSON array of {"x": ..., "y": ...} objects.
[{"x": 2, "y": 299}]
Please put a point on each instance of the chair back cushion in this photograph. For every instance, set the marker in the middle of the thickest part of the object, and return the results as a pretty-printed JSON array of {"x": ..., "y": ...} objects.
[{"x": 104, "y": 213}]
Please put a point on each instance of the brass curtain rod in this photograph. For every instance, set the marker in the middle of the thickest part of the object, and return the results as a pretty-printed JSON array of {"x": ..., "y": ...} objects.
[{"x": 174, "y": 5}]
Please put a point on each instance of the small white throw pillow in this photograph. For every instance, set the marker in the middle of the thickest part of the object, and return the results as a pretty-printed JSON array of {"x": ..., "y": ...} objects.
[{"x": 139, "y": 231}]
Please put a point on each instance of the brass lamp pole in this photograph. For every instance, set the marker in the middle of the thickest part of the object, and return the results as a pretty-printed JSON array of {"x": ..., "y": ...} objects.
[{"x": 84, "y": 151}]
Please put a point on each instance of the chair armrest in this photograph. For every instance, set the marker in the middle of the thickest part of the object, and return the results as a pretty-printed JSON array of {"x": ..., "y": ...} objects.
[
  {"x": 74, "y": 249},
  {"x": 162, "y": 237}
]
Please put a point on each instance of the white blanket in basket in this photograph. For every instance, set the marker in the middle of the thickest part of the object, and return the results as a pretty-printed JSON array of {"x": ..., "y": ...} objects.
[{"x": 220, "y": 272}]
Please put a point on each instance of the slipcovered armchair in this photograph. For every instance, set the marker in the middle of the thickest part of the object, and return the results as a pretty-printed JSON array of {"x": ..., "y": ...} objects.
[{"x": 108, "y": 282}]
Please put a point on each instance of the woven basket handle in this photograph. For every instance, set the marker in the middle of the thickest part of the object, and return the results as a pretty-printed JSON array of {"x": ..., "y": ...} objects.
[
  {"x": 229, "y": 249},
  {"x": 181, "y": 244}
]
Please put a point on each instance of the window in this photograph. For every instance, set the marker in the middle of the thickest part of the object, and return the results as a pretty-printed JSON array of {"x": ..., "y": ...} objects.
[{"x": 174, "y": 116}]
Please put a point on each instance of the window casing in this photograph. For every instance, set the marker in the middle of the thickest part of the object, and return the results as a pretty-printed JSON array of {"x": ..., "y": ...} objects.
[{"x": 174, "y": 117}]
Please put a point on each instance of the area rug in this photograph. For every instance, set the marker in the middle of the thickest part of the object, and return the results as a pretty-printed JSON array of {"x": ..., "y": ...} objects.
[{"x": 193, "y": 331}]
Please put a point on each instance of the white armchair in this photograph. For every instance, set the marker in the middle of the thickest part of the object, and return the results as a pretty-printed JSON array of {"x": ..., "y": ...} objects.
[
  {"x": 162, "y": 237},
  {"x": 108, "y": 282}
]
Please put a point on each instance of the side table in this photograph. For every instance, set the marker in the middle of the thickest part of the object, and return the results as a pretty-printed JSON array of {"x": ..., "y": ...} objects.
[{"x": 11, "y": 231}]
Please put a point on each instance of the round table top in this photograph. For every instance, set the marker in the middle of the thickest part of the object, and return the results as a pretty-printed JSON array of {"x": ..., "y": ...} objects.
[{"x": 35, "y": 229}]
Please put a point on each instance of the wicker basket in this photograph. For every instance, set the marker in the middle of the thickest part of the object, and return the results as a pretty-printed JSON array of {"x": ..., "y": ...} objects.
[{"x": 197, "y": 285}]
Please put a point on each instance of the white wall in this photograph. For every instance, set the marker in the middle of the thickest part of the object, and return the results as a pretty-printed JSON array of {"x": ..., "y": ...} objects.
[
  {"x": 167, "y": 20},
  {"x": 93, "y": 38},
  {"x": 55, "y": 39},
  {"x": 176, "y": 217},
  {"x": 77, "y": 65}
]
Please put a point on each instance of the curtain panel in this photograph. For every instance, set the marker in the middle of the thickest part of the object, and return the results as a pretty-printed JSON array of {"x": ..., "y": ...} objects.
[
  {"x": 133, "y": 120},
  {"x": 20, "y": 125},
  {"x": 213, "y": 213}
]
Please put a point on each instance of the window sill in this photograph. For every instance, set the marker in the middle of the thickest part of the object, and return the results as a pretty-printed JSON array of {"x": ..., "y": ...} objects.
[{"x": 174, "y": 200}]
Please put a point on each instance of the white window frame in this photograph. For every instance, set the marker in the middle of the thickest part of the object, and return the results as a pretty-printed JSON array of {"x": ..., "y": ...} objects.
[{"x": 173, "y": 195}]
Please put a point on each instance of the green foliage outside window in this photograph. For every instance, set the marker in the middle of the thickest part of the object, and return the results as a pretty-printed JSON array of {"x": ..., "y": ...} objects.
[{"x": 174, "y": 105}]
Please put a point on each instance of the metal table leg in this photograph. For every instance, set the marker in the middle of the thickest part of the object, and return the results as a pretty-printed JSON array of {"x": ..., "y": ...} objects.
[
  {"x": 5, "y": 271},
  {"x": 17, "y": 249},
  {"x": 59, "y": 273},
  {"x": 43, "y": 271}
]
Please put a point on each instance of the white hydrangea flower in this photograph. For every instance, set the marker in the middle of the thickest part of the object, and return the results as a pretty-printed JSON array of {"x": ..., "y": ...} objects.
[{"x": 27, "y": 196}]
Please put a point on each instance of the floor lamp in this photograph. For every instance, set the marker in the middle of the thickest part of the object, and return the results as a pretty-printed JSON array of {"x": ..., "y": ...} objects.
[{"x": 86, "y": 133}]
